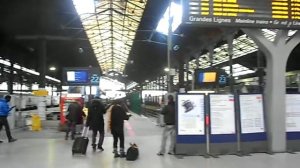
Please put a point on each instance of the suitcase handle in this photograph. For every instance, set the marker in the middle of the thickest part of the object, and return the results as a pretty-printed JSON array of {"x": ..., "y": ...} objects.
[{"x": 85, "y": 132}]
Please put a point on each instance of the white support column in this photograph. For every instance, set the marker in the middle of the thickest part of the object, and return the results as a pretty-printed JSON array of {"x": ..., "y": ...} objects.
[{"x": 277, "y": 54}]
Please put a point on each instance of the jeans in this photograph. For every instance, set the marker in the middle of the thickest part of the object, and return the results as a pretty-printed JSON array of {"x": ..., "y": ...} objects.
[
  {"x": 169, "y": 130},
  {"x": 101, "y": 137},
  {"x": 118, "y": 135},
  {"x": 4, "y": 122}
]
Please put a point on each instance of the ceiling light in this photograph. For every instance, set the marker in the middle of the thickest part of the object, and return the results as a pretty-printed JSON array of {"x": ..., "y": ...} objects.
[{"x": 52, "y": 68}]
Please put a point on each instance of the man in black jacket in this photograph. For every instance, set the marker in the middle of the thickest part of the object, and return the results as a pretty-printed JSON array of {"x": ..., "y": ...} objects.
[
  {"x": 169, "y": 130},
  {"x": 96, "y": 122}
]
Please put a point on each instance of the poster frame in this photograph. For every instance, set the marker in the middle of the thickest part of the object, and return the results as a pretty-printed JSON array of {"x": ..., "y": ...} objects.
[
  {"x": 251, "y": 137},
  {"x": 221, "y": 138},
  {"x": 190, "y": 139}
]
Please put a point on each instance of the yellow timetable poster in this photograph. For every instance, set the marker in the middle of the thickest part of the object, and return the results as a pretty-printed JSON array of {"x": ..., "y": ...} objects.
[{"x": 243, "y": 13}]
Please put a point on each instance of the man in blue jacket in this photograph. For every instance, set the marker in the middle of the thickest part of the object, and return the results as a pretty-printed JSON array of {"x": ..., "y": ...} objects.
[{"x": 4, "y": 110}]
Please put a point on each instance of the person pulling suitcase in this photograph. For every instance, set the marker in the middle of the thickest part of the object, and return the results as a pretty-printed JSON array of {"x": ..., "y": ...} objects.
[{"x": 80, "y": 143}]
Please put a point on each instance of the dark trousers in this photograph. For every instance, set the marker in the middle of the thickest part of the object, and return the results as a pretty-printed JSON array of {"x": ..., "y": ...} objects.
[
  {"x": 4, "y": 122},
  {"x": 101, "y": 137},
  {"x": 118, "y": 135},
  {"x": 71, "y": 128}
]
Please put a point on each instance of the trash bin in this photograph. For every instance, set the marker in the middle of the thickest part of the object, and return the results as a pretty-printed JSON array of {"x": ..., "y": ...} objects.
[{"x": 36, "y": 122}]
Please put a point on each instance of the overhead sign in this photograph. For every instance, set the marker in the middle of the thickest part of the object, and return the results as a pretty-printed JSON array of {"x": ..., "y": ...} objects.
[
  {"x": 293, "y": 112},
  {"x": 81, "y": 76},
  {"x": 222, "y": 115},
  {"x": 252, "y": 115},
  {"x": 243, "y": 13},
  {"x": 190, "y": 114}
]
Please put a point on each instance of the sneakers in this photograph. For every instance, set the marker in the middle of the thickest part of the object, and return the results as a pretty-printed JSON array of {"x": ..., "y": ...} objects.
[
  {"x": 1, "y": 141},
  {"x": 116, "y": 155},
  {"x": 122, "y": 155},
  {"x": 12, "y": 140},
  {"x": 100, "y": 148}
]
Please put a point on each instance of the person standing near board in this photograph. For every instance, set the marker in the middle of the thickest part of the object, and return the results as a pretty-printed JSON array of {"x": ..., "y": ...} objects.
[{"x": 169, "y": 130}]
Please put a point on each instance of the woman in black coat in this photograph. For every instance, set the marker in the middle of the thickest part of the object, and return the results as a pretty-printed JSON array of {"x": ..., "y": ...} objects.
[
  {"x": 96, "y": 122},
  {"x": 118, "y": 115}
]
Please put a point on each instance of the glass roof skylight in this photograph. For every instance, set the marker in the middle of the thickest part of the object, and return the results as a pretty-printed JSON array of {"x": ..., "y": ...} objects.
[
  {"x": 111, "y": 26},
  {"x": 176, "y": 13}
]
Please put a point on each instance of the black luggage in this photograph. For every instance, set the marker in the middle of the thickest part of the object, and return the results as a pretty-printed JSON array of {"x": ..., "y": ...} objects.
[
  {"x": 132, "y": 152},
  {"x": 80, "y": 143}
]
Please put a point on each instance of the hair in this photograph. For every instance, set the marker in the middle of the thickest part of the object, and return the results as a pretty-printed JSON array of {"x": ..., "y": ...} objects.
[
  {"x": 95, "y": 105},
  {"x": 7, "y": 97},
  {"x": 170, "y": 98}
]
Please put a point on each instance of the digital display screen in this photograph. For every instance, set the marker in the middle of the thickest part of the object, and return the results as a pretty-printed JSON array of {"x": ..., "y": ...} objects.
[
  {"x": 207, "y": 77},
  {"x": 79, "y": 76},
  {"x": 243, "y": 13}
]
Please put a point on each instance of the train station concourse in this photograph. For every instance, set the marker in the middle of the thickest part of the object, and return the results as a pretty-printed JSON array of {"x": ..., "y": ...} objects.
[{"x": 149, "y": 83}]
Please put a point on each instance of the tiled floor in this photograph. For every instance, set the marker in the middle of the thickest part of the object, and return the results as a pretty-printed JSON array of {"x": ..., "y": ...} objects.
[{"x": 48, "y": 149}]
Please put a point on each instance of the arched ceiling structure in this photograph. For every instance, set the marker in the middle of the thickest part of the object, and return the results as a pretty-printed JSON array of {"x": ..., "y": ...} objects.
[{"x": 111, "y": 27}]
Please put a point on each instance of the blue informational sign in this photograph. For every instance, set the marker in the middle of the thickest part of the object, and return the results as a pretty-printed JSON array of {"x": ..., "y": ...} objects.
[
  {"x": 80, "y": 76},
  {"x": 222, "y": 79},
  {"x": 95, "y": 79}
]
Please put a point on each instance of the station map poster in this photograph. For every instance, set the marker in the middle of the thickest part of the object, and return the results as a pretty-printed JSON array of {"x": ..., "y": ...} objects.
[
  {"x": 252, "y": 115},
  {"x": 275, "y": 14},
  {"x": 222, "y": 114},
  {"x": 293, "y": 113},
  {"x": 191, "y": 114}
]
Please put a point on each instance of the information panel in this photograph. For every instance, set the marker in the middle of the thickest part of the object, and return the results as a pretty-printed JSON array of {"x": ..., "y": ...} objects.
[
  {"x": 81, "y": 76},
  {"x": 190, "y": 114},
  {"x": 293, "y": 112},
  {"x": 222, "y": 114},
  {"x": 252, "y": 115},
  {"x": 243, "y": 13}
]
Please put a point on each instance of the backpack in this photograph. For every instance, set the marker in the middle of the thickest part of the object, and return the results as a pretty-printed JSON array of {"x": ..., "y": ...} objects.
[{"x": 132, "y": 152}]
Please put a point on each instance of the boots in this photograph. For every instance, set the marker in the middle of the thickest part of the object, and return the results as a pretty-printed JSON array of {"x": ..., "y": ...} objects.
[{"x": 100, "y": 148}]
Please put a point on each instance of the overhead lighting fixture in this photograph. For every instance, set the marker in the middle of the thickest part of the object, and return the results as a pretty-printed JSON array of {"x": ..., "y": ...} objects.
[{"x": 52, "y": 68}]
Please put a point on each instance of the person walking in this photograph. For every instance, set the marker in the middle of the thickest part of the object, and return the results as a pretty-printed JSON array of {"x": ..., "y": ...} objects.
[
  {"x": 74, "y": 117},
  {"x": 116, "y": 116},
  {"x": 4, "y": 111},
  {"x": 169, "y": 130},
  {"x": 95, "y": 122}
]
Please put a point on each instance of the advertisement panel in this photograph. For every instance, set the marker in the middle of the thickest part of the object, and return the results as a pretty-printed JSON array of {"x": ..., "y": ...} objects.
[
  {"x": 190, "y": 114},
  {"x": 222, "y": 114}
]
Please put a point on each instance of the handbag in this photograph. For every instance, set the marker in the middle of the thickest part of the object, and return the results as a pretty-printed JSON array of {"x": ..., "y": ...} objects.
[{"x": 132, "y": 152}]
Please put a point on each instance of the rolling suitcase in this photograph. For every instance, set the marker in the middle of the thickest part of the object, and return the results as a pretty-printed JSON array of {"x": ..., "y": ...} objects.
[{"x": 80, "y": 143}]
